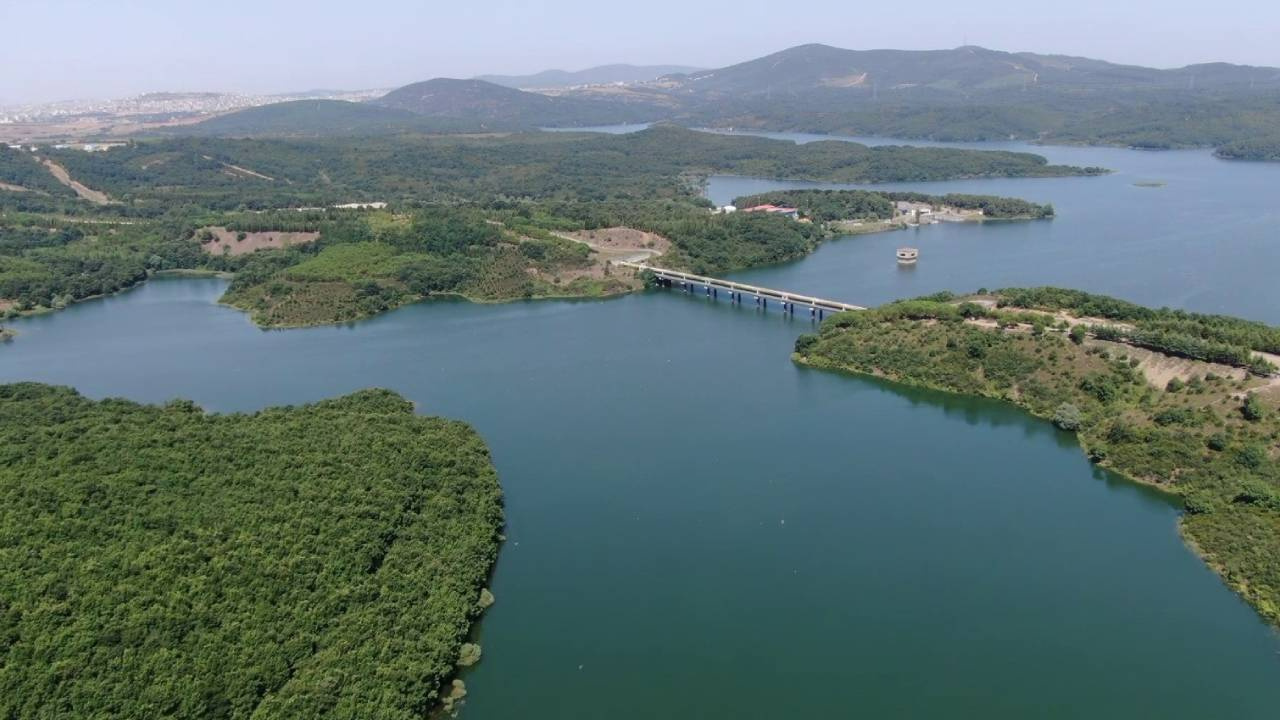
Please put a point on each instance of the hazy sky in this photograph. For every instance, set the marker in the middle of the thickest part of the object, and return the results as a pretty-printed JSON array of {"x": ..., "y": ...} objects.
[{"x": 60, "y": 49}]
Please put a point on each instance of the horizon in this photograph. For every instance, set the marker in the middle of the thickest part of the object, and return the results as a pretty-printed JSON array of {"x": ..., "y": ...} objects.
[{"x": 148, "y": 48}]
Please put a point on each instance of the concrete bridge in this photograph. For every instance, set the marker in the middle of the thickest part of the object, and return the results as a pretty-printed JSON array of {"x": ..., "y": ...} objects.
[{"x": 738, "y": 292}]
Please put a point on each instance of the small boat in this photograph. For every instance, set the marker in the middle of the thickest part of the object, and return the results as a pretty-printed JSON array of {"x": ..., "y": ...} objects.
[{"x": 907, "y": 255}]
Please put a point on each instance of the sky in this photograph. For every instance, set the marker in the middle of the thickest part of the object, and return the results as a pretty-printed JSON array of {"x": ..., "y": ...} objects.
[{"x": 72, "y": 49}]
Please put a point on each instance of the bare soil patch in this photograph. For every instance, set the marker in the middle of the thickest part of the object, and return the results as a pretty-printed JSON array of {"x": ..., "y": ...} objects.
[
  {"x": 13, "y": 188},
  {"x": 225, "y": 241},
  {"x": 1159, "y": 368},
  {"x": 621, "y": 244}
]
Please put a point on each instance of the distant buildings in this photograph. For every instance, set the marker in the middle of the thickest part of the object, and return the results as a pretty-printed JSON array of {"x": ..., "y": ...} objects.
[
  {"x": 87, "y": 147},
  {"x": 914, "y": 212},
  {"x": 361, "y": 206}
]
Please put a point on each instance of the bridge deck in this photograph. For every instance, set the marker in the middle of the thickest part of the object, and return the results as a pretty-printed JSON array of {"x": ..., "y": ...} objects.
[{"x": 762, "y": 292}]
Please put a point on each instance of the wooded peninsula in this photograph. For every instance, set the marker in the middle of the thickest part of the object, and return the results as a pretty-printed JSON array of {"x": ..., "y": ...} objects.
[{"x": 1183, "y": 401}]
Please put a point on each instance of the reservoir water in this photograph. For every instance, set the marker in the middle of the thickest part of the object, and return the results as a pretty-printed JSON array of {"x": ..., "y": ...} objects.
[{"x": 699, "y": 529}]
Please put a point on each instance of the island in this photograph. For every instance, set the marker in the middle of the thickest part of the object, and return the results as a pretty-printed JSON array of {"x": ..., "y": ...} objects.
[
  {"x": 1185, "y": 402},
  {"x": 312, "y": 561}
]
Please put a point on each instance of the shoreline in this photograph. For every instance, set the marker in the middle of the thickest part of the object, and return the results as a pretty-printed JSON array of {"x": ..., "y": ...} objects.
[{"x": 1241, "y": 588}]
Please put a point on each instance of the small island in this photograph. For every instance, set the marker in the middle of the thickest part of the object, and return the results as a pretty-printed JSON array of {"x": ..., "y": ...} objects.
[
  {"x": 1185, "y": 402},
  {"x": 234, "y": 565},
  {"x": 851, "y": 212}
]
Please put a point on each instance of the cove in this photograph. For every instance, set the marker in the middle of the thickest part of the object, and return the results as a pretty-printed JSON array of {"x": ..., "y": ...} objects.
[{"x": 698, "y": 528}]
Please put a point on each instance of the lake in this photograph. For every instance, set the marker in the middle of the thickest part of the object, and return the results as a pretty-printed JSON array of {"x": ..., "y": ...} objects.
[{"x": 698, "y": 528}]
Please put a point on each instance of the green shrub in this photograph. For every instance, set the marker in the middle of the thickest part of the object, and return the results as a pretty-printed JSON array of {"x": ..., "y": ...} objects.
[
  {"x": 1252, "y": 409},
  {"x": 1068, "y": 417}
]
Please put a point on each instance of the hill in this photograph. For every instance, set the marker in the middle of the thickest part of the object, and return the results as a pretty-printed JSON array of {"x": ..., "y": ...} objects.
[
  {"x": 960, "y": 72},
  {"x": 319, "y": 118},
  {"x": 494, "y": 106},
  {"x": 600, "y": 75},
  {"x": 972, "y": 93}
]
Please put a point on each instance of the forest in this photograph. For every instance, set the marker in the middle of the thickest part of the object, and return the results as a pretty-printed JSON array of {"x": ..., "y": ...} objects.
[
  {"x": 153, "y": 177},
  {"x": 1206, "y": 435},
  {"x": 324, "y": 560}
]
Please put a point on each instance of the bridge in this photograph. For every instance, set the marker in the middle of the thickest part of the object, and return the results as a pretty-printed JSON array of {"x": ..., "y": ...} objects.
[{"x": 737, "y": 292}]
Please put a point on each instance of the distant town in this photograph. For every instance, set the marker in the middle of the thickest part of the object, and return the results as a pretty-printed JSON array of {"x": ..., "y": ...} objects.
[
  {"x": 72, "y": 120},
  {"x": 167, "y": 103}
]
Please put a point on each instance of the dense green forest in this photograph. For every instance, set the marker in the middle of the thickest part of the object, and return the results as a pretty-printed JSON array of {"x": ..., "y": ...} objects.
[
  {"x": 158, "y": 561},
  {"x": 1208, "y": 436},
  {"x": 834, "y": 205},
  {"x": 662, "y": 162}
]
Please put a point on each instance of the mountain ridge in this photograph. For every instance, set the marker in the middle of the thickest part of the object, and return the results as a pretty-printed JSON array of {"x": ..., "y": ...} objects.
[{"x": 597, "y": 75}]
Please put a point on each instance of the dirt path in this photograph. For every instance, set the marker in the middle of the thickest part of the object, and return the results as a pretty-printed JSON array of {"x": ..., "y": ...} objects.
[
  {"x": 241, "y": 170},
  {"x": 13, "y": 188},
  {"x": 60, "y": 173}
]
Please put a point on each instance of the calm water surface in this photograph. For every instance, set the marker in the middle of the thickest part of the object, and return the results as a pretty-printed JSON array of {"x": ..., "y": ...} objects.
[{"x": 697, "y": 528}]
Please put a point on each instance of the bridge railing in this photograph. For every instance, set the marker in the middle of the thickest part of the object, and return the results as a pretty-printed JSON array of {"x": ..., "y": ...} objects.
[{"x": 756, "y": 290}]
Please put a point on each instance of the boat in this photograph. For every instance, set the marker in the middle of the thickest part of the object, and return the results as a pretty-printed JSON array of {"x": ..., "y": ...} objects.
[{"x": 908, "y": 255}]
